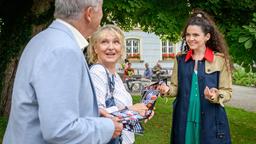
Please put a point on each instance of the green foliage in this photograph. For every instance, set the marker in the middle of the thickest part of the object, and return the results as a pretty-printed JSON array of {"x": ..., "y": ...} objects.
[
  {"x": 227, "y": 12},
  {"x": 1, "y": 24},
  {"x": 165, "y": 18},
  {"x": 158, "y": 16},
  {"x": 18, "y": 20},
  {"x": 242, "y": 77},
  {"x": 12, "y": 41},
  {"x": 237, "y": 50},
  {"x": 249, "y": 36},
  {"x": 230, "y": 16}
]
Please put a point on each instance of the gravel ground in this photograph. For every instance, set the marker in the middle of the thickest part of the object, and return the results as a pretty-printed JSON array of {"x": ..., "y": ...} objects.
[{"x": 243, "y": 97}]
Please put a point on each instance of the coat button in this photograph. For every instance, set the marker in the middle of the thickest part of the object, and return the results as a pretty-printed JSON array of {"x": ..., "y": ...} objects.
[
  {"x": 221, "y": 135},
  {"x": 208, "y": 70}
]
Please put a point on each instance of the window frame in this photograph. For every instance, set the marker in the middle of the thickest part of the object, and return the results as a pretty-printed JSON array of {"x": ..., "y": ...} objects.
[
  {"x": 133, "y": 54},
  {"x": 167, "y": 49}
]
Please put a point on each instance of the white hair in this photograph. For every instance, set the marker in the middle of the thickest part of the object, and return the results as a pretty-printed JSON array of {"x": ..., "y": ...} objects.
[{"x": 72, "y": 9}]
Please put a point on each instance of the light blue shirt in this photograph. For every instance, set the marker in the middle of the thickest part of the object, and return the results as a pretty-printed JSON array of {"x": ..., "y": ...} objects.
[{"x": 53, "y": 97}]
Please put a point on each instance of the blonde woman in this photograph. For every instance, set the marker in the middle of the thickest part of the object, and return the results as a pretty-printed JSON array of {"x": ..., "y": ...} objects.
[{"x": 105, "y": 50}]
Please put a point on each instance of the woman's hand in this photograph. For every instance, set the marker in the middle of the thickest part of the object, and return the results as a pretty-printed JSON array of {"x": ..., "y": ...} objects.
[
  {"x": 163, "y": 88},
  {"x": 141, "y": 108},
  {"x": 150, "y": 117},
  {"x": 118, "y": 128},
  {"x": 104, "y": 113},
  {"x": 211, "y": 94}
]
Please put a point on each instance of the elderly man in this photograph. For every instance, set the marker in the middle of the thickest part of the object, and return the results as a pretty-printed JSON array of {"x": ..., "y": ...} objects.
[{"x": 53, "y": 97}]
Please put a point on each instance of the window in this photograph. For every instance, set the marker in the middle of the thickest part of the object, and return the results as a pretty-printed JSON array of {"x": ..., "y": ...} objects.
[
  {"x": 133, "y": 48},
  {"x": 167, "y": 50}
]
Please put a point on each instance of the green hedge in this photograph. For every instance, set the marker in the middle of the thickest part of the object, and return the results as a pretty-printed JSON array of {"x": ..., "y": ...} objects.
[{"x": 243, "y": 77}]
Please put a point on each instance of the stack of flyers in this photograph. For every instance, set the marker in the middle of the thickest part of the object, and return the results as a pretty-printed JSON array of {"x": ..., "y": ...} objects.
[
  {"x": 131, "y": 120},
  {"x": 133, "y": 126},
  {"x": 150, "y": 95},
  {"x": 149, "y": 99}
]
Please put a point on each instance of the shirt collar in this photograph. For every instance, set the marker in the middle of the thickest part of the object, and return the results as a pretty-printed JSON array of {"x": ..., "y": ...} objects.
[
  {"x": 81, "y": 41},
  {"x": 208, "y": 55}
]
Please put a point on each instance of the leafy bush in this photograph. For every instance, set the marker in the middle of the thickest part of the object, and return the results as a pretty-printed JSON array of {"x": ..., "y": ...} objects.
[
  {"x": 249, "y": 38},
  {"x": 242, "y": 77}
]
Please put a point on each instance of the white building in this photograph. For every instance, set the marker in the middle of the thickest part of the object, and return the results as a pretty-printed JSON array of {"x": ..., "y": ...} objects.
[{"x": 143, "y": 47}]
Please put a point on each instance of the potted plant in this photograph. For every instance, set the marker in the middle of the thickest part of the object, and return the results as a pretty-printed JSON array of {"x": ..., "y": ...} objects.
[
  {"x": 133, "y": 56},
  {"x": 172, "y": 55},
  {"x": 167, "y": 56}
]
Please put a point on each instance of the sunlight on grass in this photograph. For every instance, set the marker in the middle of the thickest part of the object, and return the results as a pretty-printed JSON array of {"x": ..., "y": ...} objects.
[
  {"x": 157, "y": 130},
  {"x": 242, "y": 125}
]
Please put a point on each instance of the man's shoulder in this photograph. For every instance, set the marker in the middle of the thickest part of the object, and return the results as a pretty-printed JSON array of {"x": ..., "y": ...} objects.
[{"x": 51, "y": 36}]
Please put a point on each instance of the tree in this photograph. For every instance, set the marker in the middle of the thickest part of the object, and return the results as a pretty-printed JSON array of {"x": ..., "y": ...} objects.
[
  {"x": 249, "y": 36},
  {"x": 20, "y": 20},
  {"x": 23, "y": 19},
  {"x": 166, "y": 18},
  {"x": 163, "y": 17}
]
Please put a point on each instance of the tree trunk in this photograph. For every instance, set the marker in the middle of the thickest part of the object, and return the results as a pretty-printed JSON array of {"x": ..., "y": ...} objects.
[
  {"x": 36, "y": 14},
  {"x": 7, "y": 87}
]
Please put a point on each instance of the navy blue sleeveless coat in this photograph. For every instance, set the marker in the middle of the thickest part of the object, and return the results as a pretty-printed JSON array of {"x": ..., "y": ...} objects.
[{"x": 214, "y": 127}]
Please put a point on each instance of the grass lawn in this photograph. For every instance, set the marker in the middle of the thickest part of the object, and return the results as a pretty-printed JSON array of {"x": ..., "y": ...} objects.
[
  {"x": 3, "y": 123},
  {"x": 157, "y": 130}
]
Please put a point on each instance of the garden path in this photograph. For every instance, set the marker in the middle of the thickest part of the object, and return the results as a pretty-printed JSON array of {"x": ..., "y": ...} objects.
[{"x": 244, "y": 97}]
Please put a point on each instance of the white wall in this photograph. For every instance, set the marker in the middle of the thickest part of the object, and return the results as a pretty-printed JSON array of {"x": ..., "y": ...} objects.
[{"x": 150, "y": 50}]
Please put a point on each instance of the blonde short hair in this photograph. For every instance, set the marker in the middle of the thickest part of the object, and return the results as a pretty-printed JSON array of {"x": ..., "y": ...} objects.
[{"x": 92, "y": 56}]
